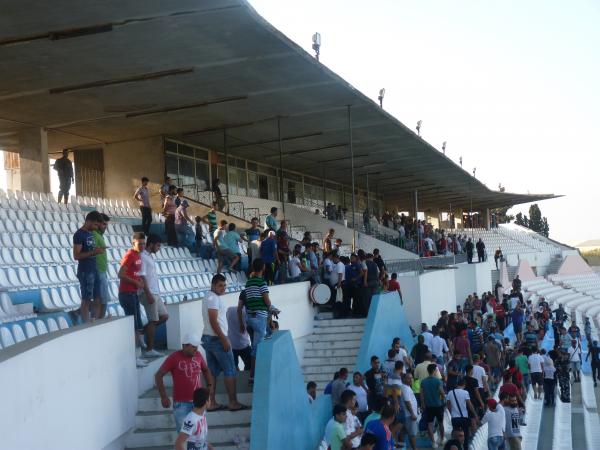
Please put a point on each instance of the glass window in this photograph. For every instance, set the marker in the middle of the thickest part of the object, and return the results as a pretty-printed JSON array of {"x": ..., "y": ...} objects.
[
  {"x": 202, "y": 179},
  {"x": 171, "y": 166},
  {"x": 201, "y": 154},
  {"x": 186, "y": 172},
  {"x": 185, "y": 150},
  {"x": 241, "y": 181},
  {"x": 170, "y": 146},
  {"x": 252, "y": 184},
  {"x": 232, "y": 181}
]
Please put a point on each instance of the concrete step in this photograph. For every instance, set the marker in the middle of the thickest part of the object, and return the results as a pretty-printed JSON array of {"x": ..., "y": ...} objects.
[
  {"x": 337, "y": 344},
  {"x": 309, "y": 371},
  {"x": 339, "y": 322},
  {"x": 340, "y": 336},
  {"x": 339, "y": 329},
  {"x": 320, "y": 378},
  {"x": 150, "y": 401},
  {"x": 167, "y": 436},
  {"x": 331, "y": 352},
  {"x": 164, "y": 419},
  {"x": 340, "y": 361}
]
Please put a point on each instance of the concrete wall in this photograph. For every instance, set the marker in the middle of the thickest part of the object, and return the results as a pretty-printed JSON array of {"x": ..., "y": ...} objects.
[
  {"x": 125, "y": 163},
  {"x": 427, "y": 294},
  {"x": 438, "y": 292},
  {"x": 386, "y": 320},
  {"x": 297, "y": 314},
  {"x": 75, "y": 389},
  {"x": 282, "y": 418}
]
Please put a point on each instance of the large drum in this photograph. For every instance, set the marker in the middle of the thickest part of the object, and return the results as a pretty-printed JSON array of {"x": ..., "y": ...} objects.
[{"x": 319, "y": 294}]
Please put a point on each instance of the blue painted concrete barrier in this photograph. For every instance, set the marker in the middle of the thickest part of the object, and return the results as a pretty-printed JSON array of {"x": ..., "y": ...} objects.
[
  {"x": 282, "y": 418},
  {"x": 386, "y": 320}
]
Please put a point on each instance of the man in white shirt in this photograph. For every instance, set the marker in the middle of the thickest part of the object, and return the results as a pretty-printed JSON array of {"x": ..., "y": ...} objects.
[
  {"x": 150, "y": 294},
  {"x": 536, "y": 371},
  {"x": 496, "y": 419},
  {"x": 438, "y": 347},
  {"x": 575, "y": 359},
  {"x": 481, "y": 377},
  {"x": 411, "y": 409},
  {"x": 217, "y": 346},
  {"x": 426, "y": 335},
  {"x": 359, "y": 388},
  {"x": 459, "y": 404}
]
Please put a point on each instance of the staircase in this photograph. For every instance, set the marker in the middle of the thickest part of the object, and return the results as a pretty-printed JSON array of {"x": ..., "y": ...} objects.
[
  {"x": 554, "y": 266},
  {"x": 334, "y": 344},
  {"x": 155, "y": 425}
]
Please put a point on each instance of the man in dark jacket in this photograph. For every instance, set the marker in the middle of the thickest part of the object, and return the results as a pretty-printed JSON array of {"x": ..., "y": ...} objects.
[{"x": 480, "y": 250}]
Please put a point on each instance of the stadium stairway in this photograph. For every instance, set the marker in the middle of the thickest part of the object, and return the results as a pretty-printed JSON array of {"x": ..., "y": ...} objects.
[
  {"x": 155, "y": 425},
  {"x": 333, "y": 344}
]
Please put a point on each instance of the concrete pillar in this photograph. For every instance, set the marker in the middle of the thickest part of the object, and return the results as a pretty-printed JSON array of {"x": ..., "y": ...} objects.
[
  {"x": 34, "y": 163},
  {"x": 486, "y": 219}
]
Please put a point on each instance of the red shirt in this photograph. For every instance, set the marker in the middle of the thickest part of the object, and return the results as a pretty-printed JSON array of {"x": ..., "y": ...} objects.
[
  {"x": 186, "y": 372},
  {"x": 393, "y": 285},
  {"x": 462, "y": 346},
  {"x": 132, "y": 262}
]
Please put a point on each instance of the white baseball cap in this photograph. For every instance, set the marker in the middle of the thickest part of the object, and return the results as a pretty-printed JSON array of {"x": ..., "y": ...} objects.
[{"x": 192, "y": 339}]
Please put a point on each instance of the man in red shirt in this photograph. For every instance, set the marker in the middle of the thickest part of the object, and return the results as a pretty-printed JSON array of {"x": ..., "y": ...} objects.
[
  {"x": 130, "y": 282},
  {"x": 393, "y": 285},
  {"x": 185, "y": 367}
]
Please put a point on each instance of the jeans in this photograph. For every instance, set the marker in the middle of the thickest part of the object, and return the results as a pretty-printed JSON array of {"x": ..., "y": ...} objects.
[
  {"x": 180, "y": 410},
  {"x": 131, "y": 305},
  {"x": 170, "y": 230},
  {"x": 258, "y": 324},
  {"x": 87, "y": 281},
  {"x": 101, "y": 287},
  {"x": 495, "y": 443},
  {"x": 217, "y": 359},
  {"x": 146, "y": 219}
]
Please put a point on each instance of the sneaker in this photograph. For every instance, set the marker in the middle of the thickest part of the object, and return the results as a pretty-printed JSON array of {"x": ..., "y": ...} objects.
[
  {"x": 141, "y": 341},
  {"x": 141, "y": 362},
  {"x": 152, "y": 354},
  {"x": 433, "y": 444}
]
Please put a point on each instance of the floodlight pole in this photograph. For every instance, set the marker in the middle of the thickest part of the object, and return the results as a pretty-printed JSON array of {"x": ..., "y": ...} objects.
[
  {"x": 324, "y": 193},
  {"x": 280, "y": 165},
  {"x": 226, "y": 150},
  {"x": 352, "y": 176}
]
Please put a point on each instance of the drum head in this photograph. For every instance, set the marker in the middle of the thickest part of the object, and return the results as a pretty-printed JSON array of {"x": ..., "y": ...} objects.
[{"x": 319, "y": 294}]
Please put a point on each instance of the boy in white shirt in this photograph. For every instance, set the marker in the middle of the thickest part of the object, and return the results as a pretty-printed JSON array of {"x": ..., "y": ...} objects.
[{"x": 194, "y": 431}]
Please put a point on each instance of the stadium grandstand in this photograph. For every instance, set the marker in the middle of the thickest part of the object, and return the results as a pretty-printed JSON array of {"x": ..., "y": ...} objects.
[{"x": 213, "y": 171}]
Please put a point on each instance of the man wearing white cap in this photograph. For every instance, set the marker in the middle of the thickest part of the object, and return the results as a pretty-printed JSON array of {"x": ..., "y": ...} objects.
[{"x": 185, "y": 366}]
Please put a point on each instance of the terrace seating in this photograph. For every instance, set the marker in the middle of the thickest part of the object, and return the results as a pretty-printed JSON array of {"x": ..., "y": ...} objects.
[{"x": 36, "y": 262}]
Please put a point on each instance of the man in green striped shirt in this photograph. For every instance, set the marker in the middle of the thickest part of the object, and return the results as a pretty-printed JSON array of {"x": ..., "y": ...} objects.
[
  {"x": 212, "y": 219},
  {"x": 101, "y": 282},
  {"x": 255, "y": 298}
]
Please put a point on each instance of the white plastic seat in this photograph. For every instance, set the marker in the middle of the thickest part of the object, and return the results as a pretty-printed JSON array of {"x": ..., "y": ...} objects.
[
  {"x": 65, "y": 241},
  {"x": 47, "y": 304},
  {"x": 25, "y": 281},
  {"x": 65, "y": 296},
  {"x": 62, "y": 323},
  {"x": 13, "y": 278},
  {"x": 56, "y": 258},
  {"x": 55, "y": 240},
  {"x": 40, "y": 327},
  {"x": 17, "y": 332},
  {"x": 57, "y": 300},
  {"x": 44, "y": 276},
  {"x": 6, "y": 337},
  {"x": 52, "y": 325},
  {"x": 30, "y": 330},
  {"x": 75, "y": 296},
  {"x": 27, "y": 256}
]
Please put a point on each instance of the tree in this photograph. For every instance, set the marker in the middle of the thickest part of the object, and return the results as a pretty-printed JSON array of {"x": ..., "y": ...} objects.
[
  {"x": 522, "y": 220},
  {"x": 535, "y": 219},
  {"x": 545, "y": 228}
]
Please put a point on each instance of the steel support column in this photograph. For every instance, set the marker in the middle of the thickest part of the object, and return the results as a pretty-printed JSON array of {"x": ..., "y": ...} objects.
[
  {"x": 280, "y": 166},
  {"x": 225, "y": 149},
  {"x": 352, "y": 176}
]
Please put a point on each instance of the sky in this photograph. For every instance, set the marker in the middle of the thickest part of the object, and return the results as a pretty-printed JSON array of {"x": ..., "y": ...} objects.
[{"x": 512, "y": 86}]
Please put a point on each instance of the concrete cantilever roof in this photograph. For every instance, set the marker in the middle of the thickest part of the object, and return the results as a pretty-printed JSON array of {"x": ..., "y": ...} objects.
[{"x": 102, "y": 72}]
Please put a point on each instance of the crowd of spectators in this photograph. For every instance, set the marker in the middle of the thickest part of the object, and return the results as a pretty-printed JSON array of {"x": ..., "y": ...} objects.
[{"x": 486, "y": 347}]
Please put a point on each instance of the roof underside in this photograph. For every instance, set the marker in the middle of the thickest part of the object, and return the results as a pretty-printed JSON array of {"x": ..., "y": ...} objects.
[{"x": 103, "y": 72}]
